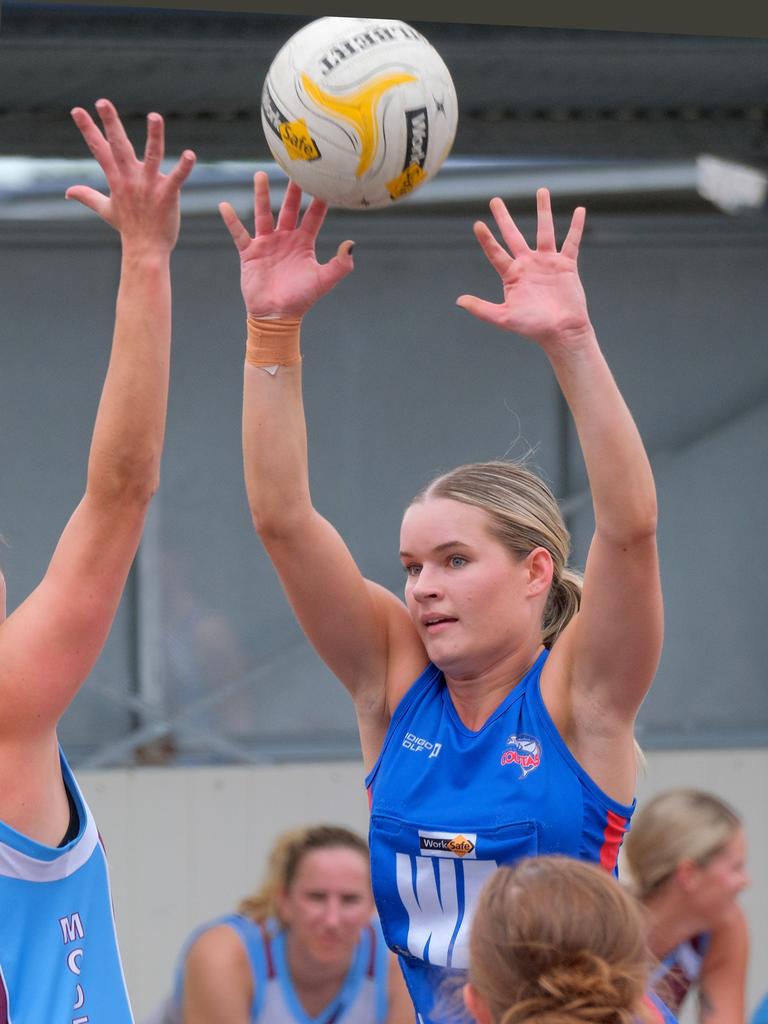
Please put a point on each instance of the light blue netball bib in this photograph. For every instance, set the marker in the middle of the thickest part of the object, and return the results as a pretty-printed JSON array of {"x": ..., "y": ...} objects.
[{"x": 59, "y": 960}]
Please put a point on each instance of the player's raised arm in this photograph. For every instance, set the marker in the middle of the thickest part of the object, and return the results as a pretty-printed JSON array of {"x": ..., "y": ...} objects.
[
  {"x": 344, "y": 616},
  {"x": 49, "y": 644},
  {"x": 606, "y": 658}
]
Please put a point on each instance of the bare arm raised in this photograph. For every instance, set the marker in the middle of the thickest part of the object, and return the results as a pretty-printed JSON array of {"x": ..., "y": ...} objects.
[
  {"x": 604, "y": 661},
  {"x": 51, "y": 641},
  {"x": 351, "y": 622}
]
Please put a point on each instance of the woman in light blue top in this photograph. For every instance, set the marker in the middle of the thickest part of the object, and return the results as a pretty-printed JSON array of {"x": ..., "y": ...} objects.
[{"x": 305, "y": 949}]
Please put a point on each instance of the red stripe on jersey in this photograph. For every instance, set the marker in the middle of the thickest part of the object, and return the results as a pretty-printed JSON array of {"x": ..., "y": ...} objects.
[
  {"x": 4, "y": 1018},
  {"x": 615, "y": 827},
  {"x": 271, "y": 973},
  {"x": 649, "y": 1004}
]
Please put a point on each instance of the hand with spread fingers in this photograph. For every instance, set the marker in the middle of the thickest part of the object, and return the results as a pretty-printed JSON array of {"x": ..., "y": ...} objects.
[
  {"x": 279, "y": 272},
  {"x": 543, "y": 296},
  {"x": 143, "y": 203}
]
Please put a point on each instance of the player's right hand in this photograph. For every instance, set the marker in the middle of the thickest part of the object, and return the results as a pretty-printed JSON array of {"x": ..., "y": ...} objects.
[
  {"x": 143, "y": 204},
  {"x": 279, "y": 272}
]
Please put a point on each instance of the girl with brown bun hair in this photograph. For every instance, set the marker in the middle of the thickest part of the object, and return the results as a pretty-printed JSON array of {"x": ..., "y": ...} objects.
[{"x": 558, "y": 941}]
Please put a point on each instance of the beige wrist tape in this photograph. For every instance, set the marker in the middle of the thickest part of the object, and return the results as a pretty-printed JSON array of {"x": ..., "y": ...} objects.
[{"x": 272, "y": 343}]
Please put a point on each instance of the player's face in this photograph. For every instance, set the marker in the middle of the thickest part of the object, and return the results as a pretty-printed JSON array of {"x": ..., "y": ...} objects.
[
  {"x": 328, "y": 902},
  {"x": 471, "y": 599},
  {"x": 721, "y": 880}
]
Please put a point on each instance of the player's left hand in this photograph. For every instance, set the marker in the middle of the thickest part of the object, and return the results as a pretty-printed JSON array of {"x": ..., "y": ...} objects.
[
  {"x": 143, "y": 204},
  {"x": 279, "y": 272},
  {"x": 543, "y": 296}
]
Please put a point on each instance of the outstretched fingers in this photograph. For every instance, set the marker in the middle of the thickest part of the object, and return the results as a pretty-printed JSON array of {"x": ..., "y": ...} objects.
[
  {"x": 334, "y": 270},
  {"x": 183, "y": 169},
  {"x": 491, "y": 312},
  {"x": 545, "y": 231},
  {"x": 510, "y": 232},
  {"x": 94, "y": 140},
  {"x": 234, "y": 225},
  {"x": 496, "y": 254},
  {"x": 575, "y": 231},
  {"x": 89, "y": 197},
  {"x": 313, "y": 218},
  {"x": 154, "y": 148},
  {"x": 288, "y": 217},
  {"x": 119, "y": 143},
  {"x": 262, "y": 209}
]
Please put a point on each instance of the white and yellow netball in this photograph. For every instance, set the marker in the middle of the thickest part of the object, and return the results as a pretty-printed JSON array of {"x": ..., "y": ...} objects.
[{"x": 359, "y": 112}]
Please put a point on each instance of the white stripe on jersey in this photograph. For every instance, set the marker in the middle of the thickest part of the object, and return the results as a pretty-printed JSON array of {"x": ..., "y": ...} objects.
[{"x": 15, "y": 864}]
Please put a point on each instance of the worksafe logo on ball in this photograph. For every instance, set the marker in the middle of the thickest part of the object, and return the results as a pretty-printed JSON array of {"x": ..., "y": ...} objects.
[
  {"x": 294, "y": 134},
  {"x": 417, "y": 131},
  {"x": 274, "y": 115},
  {"x": 417, "y": 137},
  {"x": 448, "y": 844},
  {"x": 524, "y": 751}
]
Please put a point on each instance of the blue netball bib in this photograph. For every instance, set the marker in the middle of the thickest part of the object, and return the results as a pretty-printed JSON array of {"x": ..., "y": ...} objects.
[{"x": 449, "y": 804}]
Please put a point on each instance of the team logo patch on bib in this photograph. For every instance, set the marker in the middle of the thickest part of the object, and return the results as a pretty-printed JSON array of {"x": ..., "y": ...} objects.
[
  {"x": 447, "y": 844},
  {"x": 524, "y": 751}
]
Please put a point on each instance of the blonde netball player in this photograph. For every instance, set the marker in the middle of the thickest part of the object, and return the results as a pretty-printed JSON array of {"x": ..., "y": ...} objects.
[
  {"x": 686, "y": 855},
  {"x": 496, "y": 705}
]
